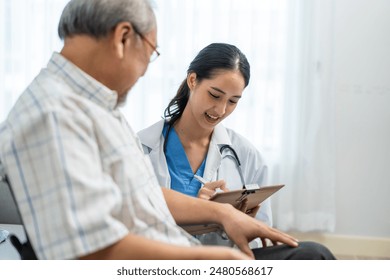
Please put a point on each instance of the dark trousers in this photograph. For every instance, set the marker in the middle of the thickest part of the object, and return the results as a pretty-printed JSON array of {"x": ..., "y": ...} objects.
[{"x": 305, "y": 251}]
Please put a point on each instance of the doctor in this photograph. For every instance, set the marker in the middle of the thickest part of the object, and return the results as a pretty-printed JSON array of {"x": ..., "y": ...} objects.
[{"x": 192, "y": 141}]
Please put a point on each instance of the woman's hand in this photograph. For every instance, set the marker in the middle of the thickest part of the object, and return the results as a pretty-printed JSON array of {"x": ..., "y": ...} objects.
[{"x": 210, "y": 188}]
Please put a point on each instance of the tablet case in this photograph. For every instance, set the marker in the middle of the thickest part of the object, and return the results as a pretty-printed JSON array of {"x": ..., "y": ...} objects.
[{"x": 254, "y": 194}]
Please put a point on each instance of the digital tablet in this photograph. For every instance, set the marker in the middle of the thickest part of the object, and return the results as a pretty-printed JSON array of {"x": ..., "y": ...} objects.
[{"x": 254, "y": 195}]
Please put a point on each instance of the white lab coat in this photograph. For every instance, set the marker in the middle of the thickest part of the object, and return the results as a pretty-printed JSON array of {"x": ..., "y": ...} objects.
[{"x": 217, "y": 167}]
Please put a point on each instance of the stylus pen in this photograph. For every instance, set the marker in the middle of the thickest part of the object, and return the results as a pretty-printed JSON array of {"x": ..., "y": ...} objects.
[{"x": 200, "y": 179}]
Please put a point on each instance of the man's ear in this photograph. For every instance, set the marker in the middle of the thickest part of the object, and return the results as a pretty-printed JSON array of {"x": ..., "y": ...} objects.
[
  {"x": 121, "y": 37},
  {"x": 191, "y": 80}
]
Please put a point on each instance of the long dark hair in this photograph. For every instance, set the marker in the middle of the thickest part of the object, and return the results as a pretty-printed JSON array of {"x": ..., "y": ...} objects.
[{"x": 214, "y": 57}]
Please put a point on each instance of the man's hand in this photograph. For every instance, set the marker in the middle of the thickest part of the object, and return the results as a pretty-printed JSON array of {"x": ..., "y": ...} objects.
[
  {"x": 209, "y": 189},
  {"x": 240, "y": 227},
  {"x": 219, "y": 253}
]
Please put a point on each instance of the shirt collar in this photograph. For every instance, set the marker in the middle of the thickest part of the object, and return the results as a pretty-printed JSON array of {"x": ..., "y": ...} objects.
[
  {"x": 220, "y": 135},
  {"x": 151, "y": 136},
  {"x": 82, "y": 83}
]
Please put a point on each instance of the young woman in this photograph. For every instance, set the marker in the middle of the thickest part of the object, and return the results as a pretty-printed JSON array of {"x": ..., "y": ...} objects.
[{"x": 192, "y": 141}]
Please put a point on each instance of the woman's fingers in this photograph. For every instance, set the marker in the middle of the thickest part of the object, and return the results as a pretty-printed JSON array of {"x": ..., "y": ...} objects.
[
  {"x": 220, "y": 184},
  {"x": 210, "y": 188},
  {"x": 252, "y": 212},
  {"x": 205, "y": 193},
  {"x": 244, "y": 206}
]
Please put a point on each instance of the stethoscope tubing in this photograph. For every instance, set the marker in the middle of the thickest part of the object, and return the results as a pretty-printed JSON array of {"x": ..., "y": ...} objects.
[{"x": 234, "y": 156}]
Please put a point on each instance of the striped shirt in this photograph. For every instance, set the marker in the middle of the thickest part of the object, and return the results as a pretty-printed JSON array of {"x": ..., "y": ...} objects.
[{"x": 77, "y": 168}]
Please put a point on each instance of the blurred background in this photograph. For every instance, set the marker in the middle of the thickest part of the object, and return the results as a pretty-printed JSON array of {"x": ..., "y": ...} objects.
[{"x": 317, "y": 105}]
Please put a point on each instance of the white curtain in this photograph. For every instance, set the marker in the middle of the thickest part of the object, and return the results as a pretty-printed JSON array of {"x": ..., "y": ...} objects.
[
  {"x": 306, "y": 159},
  {"x": 28, "y": 36},
  {"x": 286, "y": 111}
]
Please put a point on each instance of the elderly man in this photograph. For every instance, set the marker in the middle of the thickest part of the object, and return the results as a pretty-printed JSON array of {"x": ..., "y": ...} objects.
[{"x": 82, "y": 183}]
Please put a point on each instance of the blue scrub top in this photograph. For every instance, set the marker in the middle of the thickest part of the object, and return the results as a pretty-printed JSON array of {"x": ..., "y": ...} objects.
[{"x": 182, "y": 178}]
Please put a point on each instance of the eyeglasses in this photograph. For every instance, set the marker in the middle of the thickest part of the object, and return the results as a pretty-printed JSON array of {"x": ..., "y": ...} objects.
[{"x": 155, "y": 53}]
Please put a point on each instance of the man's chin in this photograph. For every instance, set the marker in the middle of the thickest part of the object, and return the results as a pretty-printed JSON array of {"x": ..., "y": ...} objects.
[{"x": 122, "y": 98}]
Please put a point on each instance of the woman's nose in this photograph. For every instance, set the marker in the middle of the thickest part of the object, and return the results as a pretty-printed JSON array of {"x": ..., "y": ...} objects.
[{"x": 220, "y": 108}]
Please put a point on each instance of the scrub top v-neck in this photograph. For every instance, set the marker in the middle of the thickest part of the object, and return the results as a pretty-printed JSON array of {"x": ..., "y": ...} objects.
[{"x": 182, "y": 176}]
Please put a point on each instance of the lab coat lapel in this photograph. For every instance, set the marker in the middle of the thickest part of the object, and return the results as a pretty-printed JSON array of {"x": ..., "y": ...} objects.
[
  {"x": 220, "y": 137},
  {"x": 150, "y": 136},
  {"x": 153, "y": 143}
]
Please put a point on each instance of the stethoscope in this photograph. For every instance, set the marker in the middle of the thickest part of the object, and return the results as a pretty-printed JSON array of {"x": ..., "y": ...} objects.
[{"x": 233, "y": 155}]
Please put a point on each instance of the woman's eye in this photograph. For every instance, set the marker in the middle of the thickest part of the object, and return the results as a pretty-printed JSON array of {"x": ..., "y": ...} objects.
[
  {"x": 213, "y": 95},
  {"x": 233, "y": 101}
]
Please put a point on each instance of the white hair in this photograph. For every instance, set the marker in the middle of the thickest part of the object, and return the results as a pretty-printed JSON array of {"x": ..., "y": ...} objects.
[{"x": 98, "y": 17}]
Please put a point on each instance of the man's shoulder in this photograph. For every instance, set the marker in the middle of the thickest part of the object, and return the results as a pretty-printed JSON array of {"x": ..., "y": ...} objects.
[
  {"x": 48, "y": 97},
  {"x": 35, "y": 95},
  {"x": 49, "y": 92}
]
